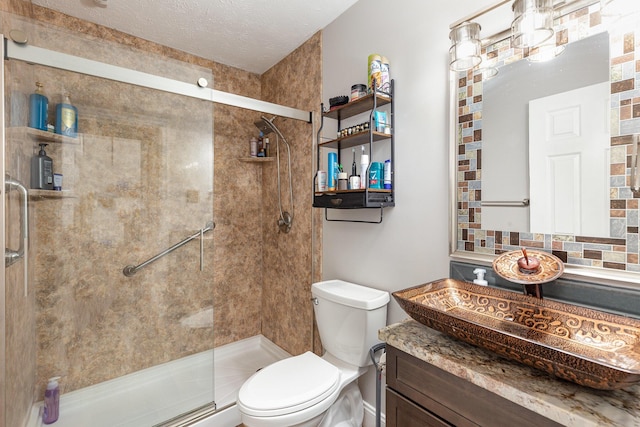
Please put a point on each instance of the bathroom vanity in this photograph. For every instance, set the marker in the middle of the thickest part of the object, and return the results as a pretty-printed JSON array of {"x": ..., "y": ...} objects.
[{"x": 435, "y": 380}]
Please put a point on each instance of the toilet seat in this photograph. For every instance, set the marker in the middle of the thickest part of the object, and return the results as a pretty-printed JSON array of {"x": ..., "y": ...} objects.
[{"x": 289, "y": 386}]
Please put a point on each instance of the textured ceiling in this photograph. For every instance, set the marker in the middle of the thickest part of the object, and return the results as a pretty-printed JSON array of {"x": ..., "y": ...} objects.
[{"x": 249, "y": 34}]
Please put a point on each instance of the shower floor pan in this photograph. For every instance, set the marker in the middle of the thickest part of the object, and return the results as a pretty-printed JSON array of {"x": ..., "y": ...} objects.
[{"x": 156, "y": 394}]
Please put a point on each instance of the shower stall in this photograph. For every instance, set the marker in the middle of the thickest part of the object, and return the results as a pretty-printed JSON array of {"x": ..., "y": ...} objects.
[{"x": 109, "y": 282}]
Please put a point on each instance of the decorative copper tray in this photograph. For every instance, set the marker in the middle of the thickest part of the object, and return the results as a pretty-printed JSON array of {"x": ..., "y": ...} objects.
[{"x": 589, "y": 347}]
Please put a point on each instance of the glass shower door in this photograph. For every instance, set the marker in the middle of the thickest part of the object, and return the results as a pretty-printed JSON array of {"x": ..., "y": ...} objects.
[{"x": 136, "y": 180}]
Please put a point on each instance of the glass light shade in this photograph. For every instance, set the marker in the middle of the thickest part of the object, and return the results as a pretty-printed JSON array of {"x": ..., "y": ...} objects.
[
  {"x": 532, "y": 24},
  {"x": 488, "y": 72},
  {"x": 545, "y": 51},
  {"x": 464, "y": 53}
]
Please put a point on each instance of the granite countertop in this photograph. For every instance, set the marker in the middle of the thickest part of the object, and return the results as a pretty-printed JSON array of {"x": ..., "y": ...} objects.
[{"x": 562, "y": 401}]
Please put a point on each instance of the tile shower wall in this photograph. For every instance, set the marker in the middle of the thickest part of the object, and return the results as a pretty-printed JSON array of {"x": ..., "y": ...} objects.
[
  {"x": 249, "y": 256},
  {"x": 619, "y": 252},
  {"x": 287, "y": 309}
]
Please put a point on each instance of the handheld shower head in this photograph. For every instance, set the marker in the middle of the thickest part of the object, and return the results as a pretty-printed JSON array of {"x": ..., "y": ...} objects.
[{"x": 263, "y": 125}]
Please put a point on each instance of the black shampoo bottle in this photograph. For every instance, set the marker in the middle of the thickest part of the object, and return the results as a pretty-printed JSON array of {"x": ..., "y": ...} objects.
[{"x": 42, "y": 170}]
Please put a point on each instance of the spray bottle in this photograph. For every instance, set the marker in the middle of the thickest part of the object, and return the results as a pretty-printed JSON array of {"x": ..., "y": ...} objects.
[{"x": 51, "y": 402}]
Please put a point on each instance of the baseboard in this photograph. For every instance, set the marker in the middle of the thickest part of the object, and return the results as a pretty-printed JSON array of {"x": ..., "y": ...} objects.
[{"x": 370, "y": 416}]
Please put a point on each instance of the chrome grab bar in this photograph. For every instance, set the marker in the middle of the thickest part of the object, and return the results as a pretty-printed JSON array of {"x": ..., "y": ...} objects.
[
  {"x": 515, "y": 204},
  {"x": 12, "y": 256},
  {"x": 130, "y": 270}
]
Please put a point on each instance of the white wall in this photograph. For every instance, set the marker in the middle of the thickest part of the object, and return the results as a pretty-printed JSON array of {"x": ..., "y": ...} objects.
[{"x": 410, "y": 247}]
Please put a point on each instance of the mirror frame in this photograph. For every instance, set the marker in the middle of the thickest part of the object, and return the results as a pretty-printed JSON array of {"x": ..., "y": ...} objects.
[{"x": 619, "y": 262}]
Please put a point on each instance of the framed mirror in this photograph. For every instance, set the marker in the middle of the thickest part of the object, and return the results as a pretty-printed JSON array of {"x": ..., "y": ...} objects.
[{"x": 510, "y": 189}]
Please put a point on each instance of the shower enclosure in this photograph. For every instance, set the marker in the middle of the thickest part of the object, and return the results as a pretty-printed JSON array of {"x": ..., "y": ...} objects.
[
  {"x": 111, "y": 277},
  {"x": 137, "y": 179}
]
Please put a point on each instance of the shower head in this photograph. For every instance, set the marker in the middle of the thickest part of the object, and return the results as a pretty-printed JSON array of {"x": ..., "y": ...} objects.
[{"x": 264, "y": 125}]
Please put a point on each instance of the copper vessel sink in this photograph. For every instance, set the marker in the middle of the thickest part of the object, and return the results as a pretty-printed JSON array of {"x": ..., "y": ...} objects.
[{"x": 589, "y": 347}]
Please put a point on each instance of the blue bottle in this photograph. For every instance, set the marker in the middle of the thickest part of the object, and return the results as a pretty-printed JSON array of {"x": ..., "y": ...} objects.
[
  {"x": 38, "y": 106},
  {"x": 332, "y": 173},
  {"x": 66, "y": 118},
  {"x": 376, "y": 171}
]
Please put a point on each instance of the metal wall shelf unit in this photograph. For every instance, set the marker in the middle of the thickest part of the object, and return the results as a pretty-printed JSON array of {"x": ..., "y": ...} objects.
[{"x": 366, "y": 198}]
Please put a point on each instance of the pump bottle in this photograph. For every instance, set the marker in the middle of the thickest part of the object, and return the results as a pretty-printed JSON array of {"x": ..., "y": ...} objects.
[
  {"x": 66, "y": 118},
  {"x": 42, "y": 170},
  {"x": 38, "y": 106},
  {"x": 51, "y": 402}
]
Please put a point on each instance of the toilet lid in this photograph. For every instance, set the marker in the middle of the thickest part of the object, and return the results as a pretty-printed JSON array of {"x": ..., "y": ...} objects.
[{"x": 289, "y": 385}]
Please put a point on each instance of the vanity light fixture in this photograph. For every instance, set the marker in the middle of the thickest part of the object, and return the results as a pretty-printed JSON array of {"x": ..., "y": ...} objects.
[
  {"x": 464, "y": 53},
  {"x": 532, "y": 23},
  {"x": 545, "y": 51}
]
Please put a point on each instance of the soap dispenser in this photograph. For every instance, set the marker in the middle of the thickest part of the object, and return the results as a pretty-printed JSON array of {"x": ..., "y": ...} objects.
[
  {"x": 42, "y": 170},
  {"x": 480, "y": 280},
  {"x": 51, "y": 402},
  {"x": 66, "y": 118}
]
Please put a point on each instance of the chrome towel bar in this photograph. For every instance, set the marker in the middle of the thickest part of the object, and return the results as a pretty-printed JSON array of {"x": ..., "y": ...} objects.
[
  {"x": 130, "y": 270},
  {"x": 515, "y": 204}
]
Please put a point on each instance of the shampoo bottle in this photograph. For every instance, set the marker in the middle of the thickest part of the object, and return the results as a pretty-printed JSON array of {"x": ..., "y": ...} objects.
[
  {"x": 42, "y": 170},
  {"x": 38, "y": 105},
  {"x": 51, "y": 402},
  {"x": 66, "y": 118}
]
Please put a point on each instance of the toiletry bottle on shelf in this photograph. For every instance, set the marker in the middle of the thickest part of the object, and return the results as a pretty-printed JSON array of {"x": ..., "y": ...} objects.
[
  {"x": 38, "y": 106},
  {"x": 387, "y": 174},
  {"x": 354, "y": 179},
  {"x": 253, "y": 147},
  {"x": 267, "y": 147},
  {"x": 332, "y": 174},
  {"x": 364, "y": 165},
  {"x": 42, "y": 170},
  {"x": 375, "y": 175},
  {"x": 51, "y": 402},
  {"x": 261, "y": 151},
  {"x": 66, "y": 118}
]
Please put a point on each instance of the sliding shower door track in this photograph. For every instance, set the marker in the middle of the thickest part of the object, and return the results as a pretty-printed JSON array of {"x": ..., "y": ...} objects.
[
  {"x": 192, "y": 417},
  {"x": 63, "y": 61}
]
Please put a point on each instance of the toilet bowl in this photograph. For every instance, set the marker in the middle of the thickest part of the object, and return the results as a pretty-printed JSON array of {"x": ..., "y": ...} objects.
[{"x": 308, "y": 390}]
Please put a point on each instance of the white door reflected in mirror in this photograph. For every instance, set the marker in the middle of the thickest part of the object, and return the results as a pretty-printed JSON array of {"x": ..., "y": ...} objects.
[{"x": 569, "y": 162}]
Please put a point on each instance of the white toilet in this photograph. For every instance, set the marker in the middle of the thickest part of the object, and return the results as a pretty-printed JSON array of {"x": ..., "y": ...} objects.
[{"x": 308, "y": 390}]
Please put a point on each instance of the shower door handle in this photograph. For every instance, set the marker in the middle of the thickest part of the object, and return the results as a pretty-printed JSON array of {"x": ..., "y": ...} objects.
[{"x": 12, "y": 256}]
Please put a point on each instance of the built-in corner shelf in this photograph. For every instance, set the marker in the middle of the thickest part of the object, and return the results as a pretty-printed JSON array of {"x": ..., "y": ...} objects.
[
  {"x": 256, "y": 159},
  {"x": 40, "y": 135},
  {"x": 50, "y": 194}
]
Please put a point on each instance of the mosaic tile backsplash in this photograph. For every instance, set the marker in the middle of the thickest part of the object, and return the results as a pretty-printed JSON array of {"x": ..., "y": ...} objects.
[{"x": 619, "y": 252}]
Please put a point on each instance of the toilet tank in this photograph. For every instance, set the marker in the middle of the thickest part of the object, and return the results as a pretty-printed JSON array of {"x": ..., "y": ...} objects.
[{"x": 349, "y": 317}]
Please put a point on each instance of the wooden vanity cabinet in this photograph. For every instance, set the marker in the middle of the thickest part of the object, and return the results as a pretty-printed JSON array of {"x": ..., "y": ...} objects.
[{"x": 422, "y": 395}]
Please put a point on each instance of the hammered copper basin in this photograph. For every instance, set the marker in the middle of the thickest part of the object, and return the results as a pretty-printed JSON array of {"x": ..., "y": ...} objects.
[{"x": 589, "y": 347}]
